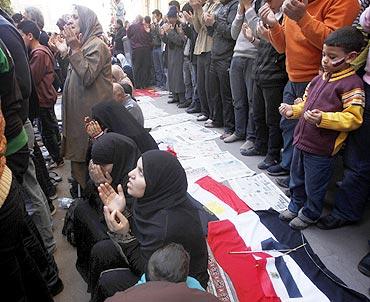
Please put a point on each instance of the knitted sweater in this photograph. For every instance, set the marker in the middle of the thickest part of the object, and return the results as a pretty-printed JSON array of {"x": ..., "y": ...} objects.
[
  {"x": 341, "y": 98},
  {"x": 303, "y": 45}
]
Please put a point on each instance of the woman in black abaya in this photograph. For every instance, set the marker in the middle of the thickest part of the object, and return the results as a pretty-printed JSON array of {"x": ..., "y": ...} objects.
[
  {"x": 113, "y": 156},
  {"x": 161, "y": 214}
]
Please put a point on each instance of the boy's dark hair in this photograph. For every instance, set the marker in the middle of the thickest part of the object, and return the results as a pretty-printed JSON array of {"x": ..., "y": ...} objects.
[
  {"x": 175, "y": 3},
  {"x": 169, "y": 263},
  {"x": 157, "y": 12},
  {"x": 29, "y": 27},
  {"x": 348, "y": 38}
]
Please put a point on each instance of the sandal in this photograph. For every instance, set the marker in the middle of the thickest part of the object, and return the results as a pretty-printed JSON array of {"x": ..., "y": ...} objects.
[{"x": 54, "y": 176}]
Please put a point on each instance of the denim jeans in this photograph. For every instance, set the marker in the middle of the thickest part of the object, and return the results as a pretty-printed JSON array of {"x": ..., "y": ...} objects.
[
  {"x": 37, "y": 203},
  {"x": 160, "y": 77},
  {"x": 196, "y": 100},
  {"x": 309, "y": 178},
  {"x": 204, "y": 62},
  {"x": 242, "y": 91},
  {"x": 354, "y": 192},
  {"x": 188, "y": 79},
  {"x": 50, "y": 132},
  {"x": 266, "y": 102},
  {"x": 292, "y": 91},
  {"x": 221, "y": 100}
]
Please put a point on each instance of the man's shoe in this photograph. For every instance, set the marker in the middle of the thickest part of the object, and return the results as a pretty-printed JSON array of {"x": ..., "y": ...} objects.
[
  {"x": 364, "y": 265},
  {"x": 232, "y": 138},
  {"x": 173, "y": 101},
  {"x": 287, "y": 215},
  {"x": 212, "y": 125},
  {"x": 246, "y": 146},
  {"x": 283, "y": 182},
  {"x": 298, "y": 224},
  {"x": 252, "y": 152},
  {"x": 277, "y": 170},
  {"x": 57, "y": 288},
  {"x": 225, "y": 136},
  {"x": 266, "y": 163},
  {"x": 202, "y": 118},
  {"x": 184, "y": 105},
  {"x": 193, "y": 110},
  {"x": 330, "y": 222}
]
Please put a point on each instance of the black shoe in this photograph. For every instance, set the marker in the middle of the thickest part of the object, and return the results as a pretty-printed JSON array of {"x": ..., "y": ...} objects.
[
  {"x": 277, "y": 170},
  {"x": 57, "y": 288},
  {"x": 266, "y": 163},
  {"x": 330, "y": 222},
  {"x": 364, "y": 265},
  {"x": 252, "y": 152},
  {"x": 193, "y": 110},
  {"x": 172, "y": 101},
  {"x": 283, "y": 182},
  {"x": 184, "y": 105}
]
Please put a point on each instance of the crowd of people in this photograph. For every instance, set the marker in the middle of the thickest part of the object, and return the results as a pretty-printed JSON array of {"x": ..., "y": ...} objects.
[{"x": 288, "y": 78}]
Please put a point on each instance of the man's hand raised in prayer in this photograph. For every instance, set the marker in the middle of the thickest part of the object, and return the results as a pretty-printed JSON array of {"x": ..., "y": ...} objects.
[
  {"x": 111, "y": 199},
  {"x": 295, "y": 9},
  {"x": 188, "y": 16},
  {"x": 267, "y": 15},
  {"x": 93, "y": 128},
  {"x": 58, "y": 44},
  {"x": 116, "y": 221}
]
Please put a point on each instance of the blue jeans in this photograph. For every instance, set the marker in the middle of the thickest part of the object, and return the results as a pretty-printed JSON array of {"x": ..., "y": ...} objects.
[
  {"x": 188, "y": 79},
  {"x": 309, "y": 179},
  {"x": 242, "y": 91},
  {"x": 292, "y": 91},
  {"x": 354, "y": 191},
  {"x": 160, "y": 77}
]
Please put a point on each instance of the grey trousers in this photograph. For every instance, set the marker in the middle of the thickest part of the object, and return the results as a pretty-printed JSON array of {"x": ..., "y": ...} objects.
[{"x": 37, "y": 204}]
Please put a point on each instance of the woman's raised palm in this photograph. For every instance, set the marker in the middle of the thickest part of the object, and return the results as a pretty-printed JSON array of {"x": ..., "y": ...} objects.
[{"x": 111, "y": 199}]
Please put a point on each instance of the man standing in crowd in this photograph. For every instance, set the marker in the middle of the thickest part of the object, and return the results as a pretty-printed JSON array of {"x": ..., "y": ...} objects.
[
  {"x": 219, "y": 26},
  {"x": 118, "y": 38},
  {"x": 202, "y": 49},
  {"x": 308, "y": 24},
  {"x": 160, "y": 77},
  {"x": 42, "y": 70}
]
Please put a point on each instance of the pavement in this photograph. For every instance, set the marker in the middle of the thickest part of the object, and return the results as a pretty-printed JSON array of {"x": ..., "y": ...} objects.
[{"x": 340, "y": 250}]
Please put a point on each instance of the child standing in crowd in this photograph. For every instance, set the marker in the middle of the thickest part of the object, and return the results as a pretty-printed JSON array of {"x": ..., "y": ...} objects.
[{"x": 332, "y": 106}]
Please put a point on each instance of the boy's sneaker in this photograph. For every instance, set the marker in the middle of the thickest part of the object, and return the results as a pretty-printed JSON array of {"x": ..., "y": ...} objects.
[
  {"x": 277, "y": 170},
  {"x": 287, "y": 215},
  {"x": 266, "y": 163},
  {"x": 298, "y": 224}
]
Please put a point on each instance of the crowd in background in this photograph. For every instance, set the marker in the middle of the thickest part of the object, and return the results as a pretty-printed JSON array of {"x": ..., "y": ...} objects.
[{"x": 288, "y": 78}]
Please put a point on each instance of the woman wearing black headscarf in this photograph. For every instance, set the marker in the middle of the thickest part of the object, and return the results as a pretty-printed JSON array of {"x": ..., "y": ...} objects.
[
  {"x": 161, "y": 214},
  {"x": 114, "y": 117},
  {"x": 113, "y": 156}
]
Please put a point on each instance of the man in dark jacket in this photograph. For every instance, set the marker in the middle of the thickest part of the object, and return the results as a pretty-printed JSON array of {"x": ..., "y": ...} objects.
[
  {"x": 219, "y": 27},
  {"x": 118, "y": 38}
]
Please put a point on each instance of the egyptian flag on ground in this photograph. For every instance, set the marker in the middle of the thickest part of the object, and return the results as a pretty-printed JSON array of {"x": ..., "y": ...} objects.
[{"x": 264, "y": 274}]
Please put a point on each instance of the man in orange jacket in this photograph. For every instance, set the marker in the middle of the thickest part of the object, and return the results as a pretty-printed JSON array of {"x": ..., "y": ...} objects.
[{"x": 301, "y": 36}]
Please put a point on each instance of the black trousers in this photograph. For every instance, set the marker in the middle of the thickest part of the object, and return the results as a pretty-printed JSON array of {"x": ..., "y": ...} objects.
[
  {"x": 20, "y": 278},
  {"x": 50, "y": 132},
  {"x": 204, "y": 63},
  {"x": 18, "y": 163},
  {"x": 221, "y": 100},
  {"x": 266, "y": 102},
  {"x": 42, "y": 173},
  {"x": 142, "y": 64}
]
